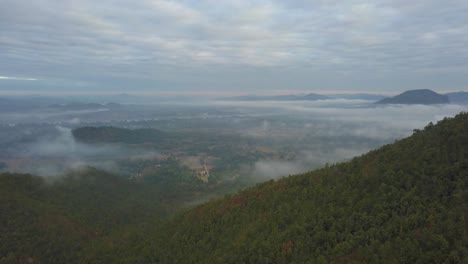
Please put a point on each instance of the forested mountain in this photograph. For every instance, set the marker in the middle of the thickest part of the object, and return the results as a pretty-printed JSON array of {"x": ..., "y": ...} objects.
[
  {"x": 61, "y": 219},
  {"x": 406, "y": 202},
  {"x": 422, "y": 96}
]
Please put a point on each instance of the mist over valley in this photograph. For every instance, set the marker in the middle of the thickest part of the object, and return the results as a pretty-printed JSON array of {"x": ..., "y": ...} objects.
[{"x": 253, "y": 140}]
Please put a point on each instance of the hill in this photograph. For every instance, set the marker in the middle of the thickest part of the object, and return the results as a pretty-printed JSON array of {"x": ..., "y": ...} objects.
[
  {"x": 61, "y": 219},
  {"x": 84, "y": 106},
  {"x": 423, "y": 96},
  {"x": 458, "y": 97},
  {"x": 357, "y": 96},
  {"x": 289, "y": 97},
  {"x": 404, "y": 203},
  {"x": 52, "y": 220}
]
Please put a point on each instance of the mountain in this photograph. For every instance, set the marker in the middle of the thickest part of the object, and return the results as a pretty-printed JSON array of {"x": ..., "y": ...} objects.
[
  {"x": 458, "y": 97},
  {"x": 423, "y": 96},
  {"x": 403, "y": 203},
  {"x": 66, "y": 219},
  {"x": 52, "y": 220},
  {"x": 14, "y": 104},
  {"x": 313, "y": 97},
  {"x": 84, "y": 106},
  {"x": 289, "y": 97},
  {"x": 357, "y": 96},
  {"x": 406, "y": 202}
]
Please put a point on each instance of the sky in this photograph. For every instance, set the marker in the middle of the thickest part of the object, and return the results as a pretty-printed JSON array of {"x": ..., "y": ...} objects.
[{"x": 215, "y": 47}]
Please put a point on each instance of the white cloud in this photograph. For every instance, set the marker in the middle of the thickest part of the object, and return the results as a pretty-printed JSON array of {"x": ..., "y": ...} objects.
[{"x": 16, "y": 78}]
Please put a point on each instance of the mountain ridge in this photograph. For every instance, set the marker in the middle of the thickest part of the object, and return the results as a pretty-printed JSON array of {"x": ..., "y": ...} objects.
[
  {"x": 375, "y": 208},
  {"x": 287, "y": 97},
  {"x": 458, "y": 97},
  {"x": 419, "y": 96},
  {"x": 404, "y": 202}
]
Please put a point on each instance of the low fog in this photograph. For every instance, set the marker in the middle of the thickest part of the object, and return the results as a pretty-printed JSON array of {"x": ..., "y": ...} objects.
[
  {"x": 287, "y": 137},
  {"x": 342, "y": 129},
  {"x": 58, "y": 152},
  {"x": 364, "y": 117}
]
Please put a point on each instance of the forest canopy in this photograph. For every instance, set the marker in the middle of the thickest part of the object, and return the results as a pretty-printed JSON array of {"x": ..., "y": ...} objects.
[{"x": 405, "y": 202}]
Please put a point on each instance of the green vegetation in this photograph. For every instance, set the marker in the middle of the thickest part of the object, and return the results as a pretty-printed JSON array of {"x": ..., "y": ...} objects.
[
  {"x": 226, "y": 155},
  {"x": 52, "y": 220},
  {"x": 406, "y": 202},
  {"x": 115, "y": 134}
]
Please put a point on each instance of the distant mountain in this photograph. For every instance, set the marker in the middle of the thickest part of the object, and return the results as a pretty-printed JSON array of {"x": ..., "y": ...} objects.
[
  {"x": 423, "y": 96},
  {"x": 307, "y": 97},
  {"x": 12, "y": 104},
  {"x": 313, "y": 96},
  {"x": 358, "y": 96},
  {"x": 29, "y": 102},
  {"x": 458, "y": 97},
  {"x": 84, "y": 106},
  {"x": 288, "y": 97}
]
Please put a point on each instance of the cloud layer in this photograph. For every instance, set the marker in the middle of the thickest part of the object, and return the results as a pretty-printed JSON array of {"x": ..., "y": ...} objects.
[{"x": 160, "y": 45}]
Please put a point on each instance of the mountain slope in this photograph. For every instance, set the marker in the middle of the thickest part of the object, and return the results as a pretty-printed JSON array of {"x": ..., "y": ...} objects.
[
  {"x": 405, "y": 202},
  {"x": 60, "y": 219},
  {"x": 458, "y": 97},
  {"x": 423, "y": 96}
]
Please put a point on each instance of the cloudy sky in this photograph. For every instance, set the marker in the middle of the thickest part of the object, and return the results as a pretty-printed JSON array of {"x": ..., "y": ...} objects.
[{"x": 228, "y": 47}]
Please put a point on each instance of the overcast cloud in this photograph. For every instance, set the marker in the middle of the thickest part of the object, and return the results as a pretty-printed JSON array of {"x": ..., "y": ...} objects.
[{"x": 160, "y": 46}]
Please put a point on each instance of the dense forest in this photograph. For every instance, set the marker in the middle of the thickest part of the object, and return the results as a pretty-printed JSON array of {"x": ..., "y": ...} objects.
[{"x": 406, "y": 202}]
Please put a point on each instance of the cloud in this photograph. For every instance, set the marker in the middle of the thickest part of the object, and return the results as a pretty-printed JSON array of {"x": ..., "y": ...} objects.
[
  {"x": 57, "y": 152},
  {"x": 307, "y": 160},
  {"x": 161, "y": 44},
  {"x": 16, "y": 78}
]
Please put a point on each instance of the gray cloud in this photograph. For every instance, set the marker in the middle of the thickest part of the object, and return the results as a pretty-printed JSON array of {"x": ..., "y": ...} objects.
[{"x": 161, "y": 45}]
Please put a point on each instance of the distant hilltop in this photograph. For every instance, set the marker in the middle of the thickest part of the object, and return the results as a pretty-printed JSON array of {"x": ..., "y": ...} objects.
[
  {"x": 287, "y": 97},
  {"x": 422, "y": 96}
]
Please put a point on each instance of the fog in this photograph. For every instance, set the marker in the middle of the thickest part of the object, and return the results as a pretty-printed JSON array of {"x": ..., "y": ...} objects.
[
  {"x": 359, "y": 125},
  {"x": 307, "y": 160},
  {"x": 272, "y": 138},
  {"x": 363, "y": 117},
  {"x": 58, "y": 152}
]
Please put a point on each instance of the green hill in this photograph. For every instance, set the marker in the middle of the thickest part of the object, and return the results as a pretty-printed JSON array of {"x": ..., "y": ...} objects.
[
  {"x": 406, "y": 202},
  {"x": 53, "y": 220},
  {"x": 403, "y": 203}
]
